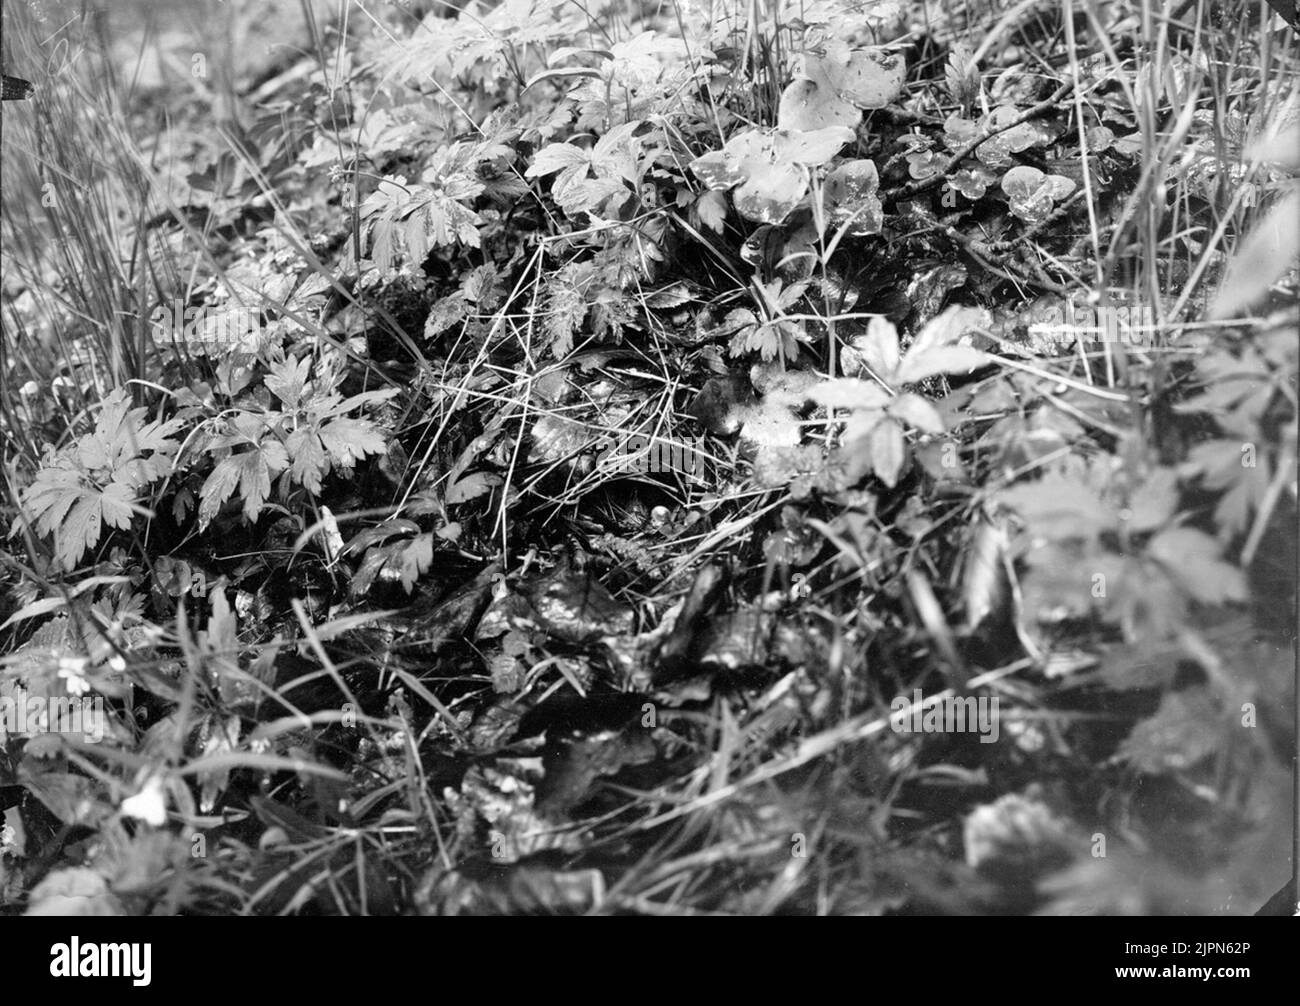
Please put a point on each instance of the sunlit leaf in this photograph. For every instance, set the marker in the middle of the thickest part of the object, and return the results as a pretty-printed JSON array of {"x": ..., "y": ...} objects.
[
  {"x": 850, "y": 196},
  {"x": 888, "y": 451},
  {"x": 1267, "y": 252}
]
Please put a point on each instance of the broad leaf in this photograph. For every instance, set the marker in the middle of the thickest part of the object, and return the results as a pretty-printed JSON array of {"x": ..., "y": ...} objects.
[
  {"x": 1031, "y": 194},
  {"x": 917, "y": 411},
  {"x": 888, "y": 451},
  {"x": 832, "y": 88},
  {"x": 1260, "y": 260},
  {"x": 1193, "y": 560},
  {"x": 472, "y": 486},
  {"x": 850, "y": 393},
  {"x": 769, "y": 168},
  {"x": 850, "y": 196},
  {"x": 933, "y": 351}
]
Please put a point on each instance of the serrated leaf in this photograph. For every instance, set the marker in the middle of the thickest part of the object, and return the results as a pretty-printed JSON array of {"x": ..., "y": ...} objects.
[
  {"x": 1193, "y": 560},
  {"x": 404, "y": 220},
  {"x": 1059, "y": 508},
  {"x": 1184, "y": 730},
  {"x": 961, "y": 75},
  {"x": 222, "y": 634},
  {"x": 335, "y": 407},
  {"x": 950, "y": 360},
  {"x": 933, "y": 351},
  {"x": 116, "y": 504},
  {"x": 349, "y": 440},
  {"x": 250, "y": 471},
  {"x": 1154, "y": 502},
  {"x": 566, "y": 311},
  {"x": 96, "y": 480},
  {"x": 917, "y": 412},
  {"x": 888, "y": 451},
  {"x": 80, "y": 530},
  {"x": 258, "y": 467},
  {"x": 217, "y": 488},
  {"x": 557, "y": 157},
  {"x": 472, "y": 486},
  {"x": 712, "y": 209},
  {"x": 849, "y": 393},
  {"x": 1235, "y": 507},
  {"x": 410, "y": 559},
  {"x": 309, "y": 460},
  {"x": 288, "y": 380},
  {"x": 445, "y": 313},
  {"x": 876, "y": 348},
  {"x": 946, "y": 328}
]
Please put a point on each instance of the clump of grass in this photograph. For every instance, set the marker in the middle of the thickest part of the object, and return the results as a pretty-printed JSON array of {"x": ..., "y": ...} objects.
[{"x": 75, "y": 195}]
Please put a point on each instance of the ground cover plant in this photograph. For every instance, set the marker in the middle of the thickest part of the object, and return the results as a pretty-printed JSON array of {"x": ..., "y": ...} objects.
[{"x": 521, "y": 456}]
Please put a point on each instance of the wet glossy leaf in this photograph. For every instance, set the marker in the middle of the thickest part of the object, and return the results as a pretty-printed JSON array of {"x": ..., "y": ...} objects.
[
  {"x": 924, "y": 164},
  {"x": 972, "y": 182},
  {"x": 997, "y": 151},
  {"x": 850, "y": 197},
  {"x": 1031, "y": 194},
  {"x": 769, "y": 168},
  {"x": 866, "y": 78},
  {"x": 575, "y": 606},
  {"x": 959, "y": 132},
  {"x": 808, "y": 104}
]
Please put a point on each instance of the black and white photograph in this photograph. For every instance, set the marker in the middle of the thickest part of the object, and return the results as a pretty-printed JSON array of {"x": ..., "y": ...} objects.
[{"x": 649, "y": 458}]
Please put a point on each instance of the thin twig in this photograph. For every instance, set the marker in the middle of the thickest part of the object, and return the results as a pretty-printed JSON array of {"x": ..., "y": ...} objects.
[{"x": 954, "y": 162}]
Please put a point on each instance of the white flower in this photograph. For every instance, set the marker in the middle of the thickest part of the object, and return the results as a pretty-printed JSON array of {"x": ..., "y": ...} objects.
[
  {"x": 149, "y": 805},
  {"x": 70, "y": 670},
  {"x": 29, "y": 390}
]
